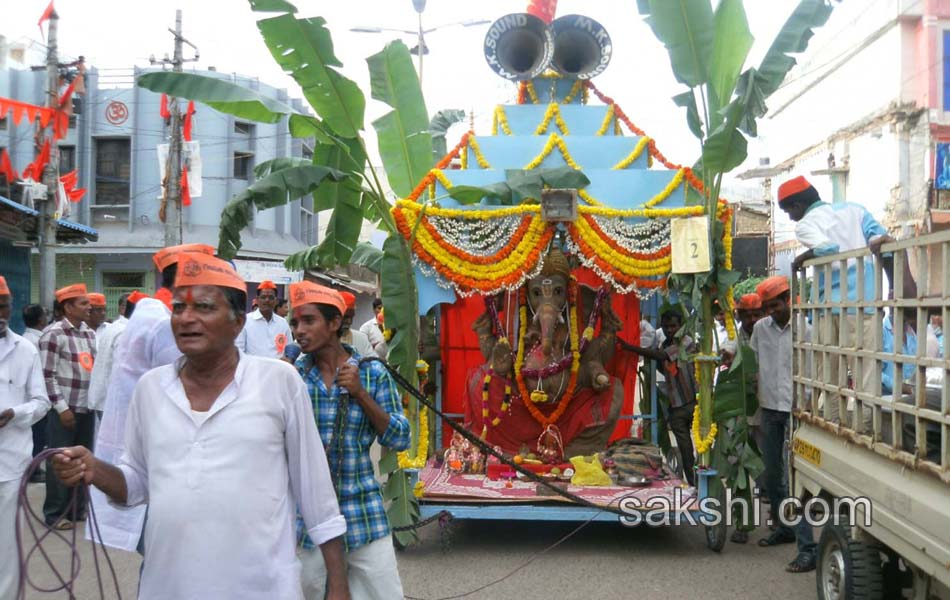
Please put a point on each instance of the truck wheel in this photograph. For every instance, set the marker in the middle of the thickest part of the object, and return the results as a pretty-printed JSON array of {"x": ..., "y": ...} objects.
[
  {"x": 848, "y": 569},
  {"x": 716, "y": 534}
]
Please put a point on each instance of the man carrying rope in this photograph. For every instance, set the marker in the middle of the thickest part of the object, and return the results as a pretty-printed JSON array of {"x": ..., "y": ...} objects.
[
  {"x": 214, "y": 443},
  {"x": 23, "y": 401}
]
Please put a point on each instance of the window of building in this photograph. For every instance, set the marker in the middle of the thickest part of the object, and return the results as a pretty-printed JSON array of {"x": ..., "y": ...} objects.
[
  {"x": 3, "y": 123},
  {"x": 242, "y": 128},
  {"x": 123, "y": 280},
  {"x": 113, "y": 170},
  {"x": 67, "y": 159},
  {"x": 243, "y": 165},
  {"x": 308, "y": 227}
]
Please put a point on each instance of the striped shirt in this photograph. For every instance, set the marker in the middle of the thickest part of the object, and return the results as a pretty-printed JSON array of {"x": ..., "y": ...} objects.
[
  {"x": 357, "y": 488},
  {"x": 67, "y": 354}
]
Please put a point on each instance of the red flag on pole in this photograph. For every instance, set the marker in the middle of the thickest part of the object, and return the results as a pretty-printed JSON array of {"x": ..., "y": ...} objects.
[
  {"x": 185, "y": 192},
  {"x": 6, "y": 167},
  {"x": 163, "y": 108},
  {"x": 187, "y": 128},
  {"x": 45, "y": 17}
]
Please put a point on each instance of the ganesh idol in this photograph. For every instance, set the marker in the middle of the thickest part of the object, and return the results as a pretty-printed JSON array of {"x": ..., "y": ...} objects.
[{"x": 550, "y": 381}]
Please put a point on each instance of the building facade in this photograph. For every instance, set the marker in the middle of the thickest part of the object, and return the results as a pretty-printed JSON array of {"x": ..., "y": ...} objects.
[{"x": 113, "y": 143}]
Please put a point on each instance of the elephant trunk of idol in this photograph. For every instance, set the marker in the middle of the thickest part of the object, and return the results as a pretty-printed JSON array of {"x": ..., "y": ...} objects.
[{"x": 548, "y": 317}]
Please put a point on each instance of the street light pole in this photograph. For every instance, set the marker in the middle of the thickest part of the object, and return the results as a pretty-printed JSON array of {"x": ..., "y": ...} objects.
[{"x": 421, "y": 45}]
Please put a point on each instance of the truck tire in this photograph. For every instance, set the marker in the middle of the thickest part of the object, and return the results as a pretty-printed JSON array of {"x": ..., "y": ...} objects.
[{"x": 848, "y": 569}]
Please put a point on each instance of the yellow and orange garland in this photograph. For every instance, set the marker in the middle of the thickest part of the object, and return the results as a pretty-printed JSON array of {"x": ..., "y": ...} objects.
[
  {"x": 422, "y": 445},
  {"x": 552, "y": 113},
  {"x": 555, "y": 141}
]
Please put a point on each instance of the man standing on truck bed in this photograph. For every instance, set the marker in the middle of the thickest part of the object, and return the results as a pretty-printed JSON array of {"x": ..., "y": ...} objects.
[
  {"x": 772, "y": 343},
  {"x": 830, "y": 229}
]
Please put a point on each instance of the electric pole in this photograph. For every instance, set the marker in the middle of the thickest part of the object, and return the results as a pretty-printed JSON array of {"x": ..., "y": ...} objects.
[
  {"x": 46, "y": 235},
  {"x": 173, "y": 185}
]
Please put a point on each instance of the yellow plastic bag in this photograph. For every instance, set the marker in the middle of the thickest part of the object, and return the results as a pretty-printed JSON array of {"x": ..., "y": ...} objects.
[{"x": 588, "y": 471}]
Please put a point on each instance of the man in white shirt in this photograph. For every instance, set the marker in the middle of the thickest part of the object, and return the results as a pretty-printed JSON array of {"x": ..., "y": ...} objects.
[
  {"x": 265, "y": 332},
  {"x": 146, "y": 343},
  {"x": 374, "y": 331},
  {"x": 97, "y": 313},
  {"x": 224, "y": 448},
  {"x": 352, "y": 337},
  {"x": 23, "y": 401},
  {"x": 106, "y": 344},
  {"x": 36, "y": 320}
]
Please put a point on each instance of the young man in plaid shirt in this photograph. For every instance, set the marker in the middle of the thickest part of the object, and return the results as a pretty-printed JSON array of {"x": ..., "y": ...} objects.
[
  {"x": 67, "y": 351},
  {"x": 371, "y": 411}
]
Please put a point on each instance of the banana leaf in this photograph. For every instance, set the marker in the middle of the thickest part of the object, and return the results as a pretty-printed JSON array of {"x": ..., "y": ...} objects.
[
  {"x": 685, "y": 27},
  {"x": 272, "y": 6},
  {"x": 731, "y": 44},
  {"x": 439, "y": 127},
  {"x": 273, "y": 190},
  {"x": 405, "y": 144},
  {"x": 304, "y": 49},
  {"x": 369, "y": 256},
  {"x": 279, "y": 164},
  {"x": 342, "y": 233},
  {"x": 349, "y": 158},
  {"x": 402, "y": 305},
  {"x": 403, "y": 505},
  {"x": 735, "y": 392},
  {"x": 219, "y": 94}
]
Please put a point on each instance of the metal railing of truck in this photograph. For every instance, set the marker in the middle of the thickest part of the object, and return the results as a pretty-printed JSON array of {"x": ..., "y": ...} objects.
[{"x": 911, "y": 424}]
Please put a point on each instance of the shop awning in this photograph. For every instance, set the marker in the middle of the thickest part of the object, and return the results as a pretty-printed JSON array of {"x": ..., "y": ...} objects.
[{"x": 19, "y": 222}]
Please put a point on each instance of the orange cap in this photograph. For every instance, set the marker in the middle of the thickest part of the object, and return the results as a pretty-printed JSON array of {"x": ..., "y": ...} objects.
[
  {"x": 168, "y": 256},
  {"x": 750, "y": 302},
  {"x": 772, "y": 287},
  {"x": 267, "y": 284},
  {"x": 380, "y": 318},
  {"x": 791, "y": 187},
  {"x": 4, "y": 290},
  {"x": 97, "y": 299},
  {"x": 308, "y": 292},
  {"x": 135, "y": 296},
  {"x": 70, "y": 291},
  {"x": 349, "y": 299},
  {"x": 201, "y": 269}
]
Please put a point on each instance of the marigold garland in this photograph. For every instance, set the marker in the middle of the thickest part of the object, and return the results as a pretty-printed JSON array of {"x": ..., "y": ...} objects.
[
  {"x": 703, "y": 444},
  {"x": 556, "y": 141},
  {"x": 577, "y": 88},
  {"x": 422, "y": 447},
  {"x": 446, "y": 160},
  {"x": 634, "y": 154},
  {"x": 608, "y": 119}
]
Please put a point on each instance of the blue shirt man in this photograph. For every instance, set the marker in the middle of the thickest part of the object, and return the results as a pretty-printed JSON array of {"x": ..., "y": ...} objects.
[{"x": 887, "y": 345}]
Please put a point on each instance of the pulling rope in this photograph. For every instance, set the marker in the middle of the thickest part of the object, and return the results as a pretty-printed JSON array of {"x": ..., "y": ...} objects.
[{"x": 27, "y": 518}]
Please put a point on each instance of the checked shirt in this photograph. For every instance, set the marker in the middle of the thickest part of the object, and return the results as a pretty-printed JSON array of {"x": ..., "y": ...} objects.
[
  {"x": 357, "y": 489},
  {"x": 67, "y": 353}
]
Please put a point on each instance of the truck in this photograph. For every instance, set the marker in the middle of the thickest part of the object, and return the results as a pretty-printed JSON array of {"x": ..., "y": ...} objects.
[{"x": 878, "y": 467}]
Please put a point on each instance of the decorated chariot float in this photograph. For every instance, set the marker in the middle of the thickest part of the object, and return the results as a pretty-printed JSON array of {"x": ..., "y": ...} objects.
[{"x": 538, "y": 249}]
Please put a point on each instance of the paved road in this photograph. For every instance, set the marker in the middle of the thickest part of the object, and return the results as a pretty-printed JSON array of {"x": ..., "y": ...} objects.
[{"x": 602, "y": 560}]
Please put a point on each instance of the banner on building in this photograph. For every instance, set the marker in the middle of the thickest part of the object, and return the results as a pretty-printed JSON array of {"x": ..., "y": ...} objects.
[
  {"x": 942, "y": 167},
  {"x": 190, "y": 160},
  {"x": 259, "y": 270}
]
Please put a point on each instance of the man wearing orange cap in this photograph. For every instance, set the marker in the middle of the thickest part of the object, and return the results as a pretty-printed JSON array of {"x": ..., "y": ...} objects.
[
  {"x": 68, "y": 351},
  {"x": 353, "y": 337},
  {"x": 97, "y": 312},
  {"x": 829, "y": 229},
  {"x": 106, "y": 344},
  {"x": 223, "y": 447},
  {"x": 146, "y": 343},
  {"x": 265, "y": 333},
  {"x": 23, "y": 401},
  {"x": 355, "y": 404},
  {"x": 772, "y": 343}
]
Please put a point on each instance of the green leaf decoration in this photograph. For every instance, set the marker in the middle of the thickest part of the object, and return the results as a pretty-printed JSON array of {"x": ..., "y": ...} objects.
[
  {"x": 439, "y": 127},
  {"x": 273, "y": 190},
  {"x": 793, "y": 38},
  {"x": 405, "y": 143},
  {"x": 470, "y": 194},
  {"x": 304, "y": 49},
  {"x": 279, "y": 164},
  {"x": 369, "y": 256},
  {"x": 726, "y": 148},
  {"x": 347, "y": 157},
  {"x": 403, "y": 505},
  {"x": 686, "y": 29},
  {"x": 272, "y": 6},
  {"x": 219, "y": 94},
  {"x": 688, "y": 101},
  {"x": 342, "y": 234},
  {"x": 732, "y": 41},
  {"x": 402, "y": 305}
]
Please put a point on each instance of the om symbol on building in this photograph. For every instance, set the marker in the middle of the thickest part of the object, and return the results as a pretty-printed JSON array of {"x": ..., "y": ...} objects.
[{"x": 117, "y": 112}]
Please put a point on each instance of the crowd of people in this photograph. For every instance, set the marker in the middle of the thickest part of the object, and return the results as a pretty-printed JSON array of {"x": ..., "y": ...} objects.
[{"x": 200, "y": 439}]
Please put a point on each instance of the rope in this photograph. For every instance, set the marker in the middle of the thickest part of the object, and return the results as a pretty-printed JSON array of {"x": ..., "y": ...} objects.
[{"x": 26, "y": 518}]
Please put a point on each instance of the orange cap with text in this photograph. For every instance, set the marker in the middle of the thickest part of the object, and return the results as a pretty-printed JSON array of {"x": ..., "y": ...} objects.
[
  {"x": 70, "y": 291},
  {"x": 772, "y": 287},
  {"x": 349, "y": 299},
  {"x": 169, "y": 256},
  {"x": 135, "y": 296},
  {"x": 97, "y": 299},
  {"x": 201, "y": 269},
  {"x": 750, "y": 302},
  {"x": 791, "y": 187},
  {"x": 4, "y": 289},
  {"x": 267, "y": 284},
  {"x": 308, "y": 292}
]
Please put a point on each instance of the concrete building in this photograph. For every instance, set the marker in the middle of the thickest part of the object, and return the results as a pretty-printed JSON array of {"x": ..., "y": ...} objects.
[
  {"x": 862, "y": 115},
  {"x": 113, "y": 142}
]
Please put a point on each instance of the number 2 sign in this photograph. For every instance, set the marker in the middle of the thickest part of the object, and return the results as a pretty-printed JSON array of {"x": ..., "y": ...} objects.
[{"x": 689, "y": 238}]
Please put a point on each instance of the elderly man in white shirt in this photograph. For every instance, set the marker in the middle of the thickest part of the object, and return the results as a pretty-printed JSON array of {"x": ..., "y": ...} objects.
[
  {"x": 265, "y": 332},
  {"x": 23, "y": 401},
  {"x": 224, "y": 448}
]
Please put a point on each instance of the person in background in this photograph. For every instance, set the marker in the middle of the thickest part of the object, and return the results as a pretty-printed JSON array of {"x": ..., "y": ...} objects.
[
  {"x": 772, "y": 343},
  {"x": 265, "y": 333},
  {"x": 223, "y": 447},
  {"x": 106, "y": 344},
  {"x": 352, "y": 337},
  {"x": 354, "y": 404},
  {"x": 748, "y": 313},
  {"x": 35, "y": 319},
  {"x": 373, "y": 330},
  {"x": 829, "y": 229},
  {"x": 97, "y": 313},
  {"x": 146, "y": 343},
  {"x": 121, "y": 305},
  {"x": 23, "y": 402},
  {"x": 68, "y": 351},
  {"x": 283, "y": 308}
]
